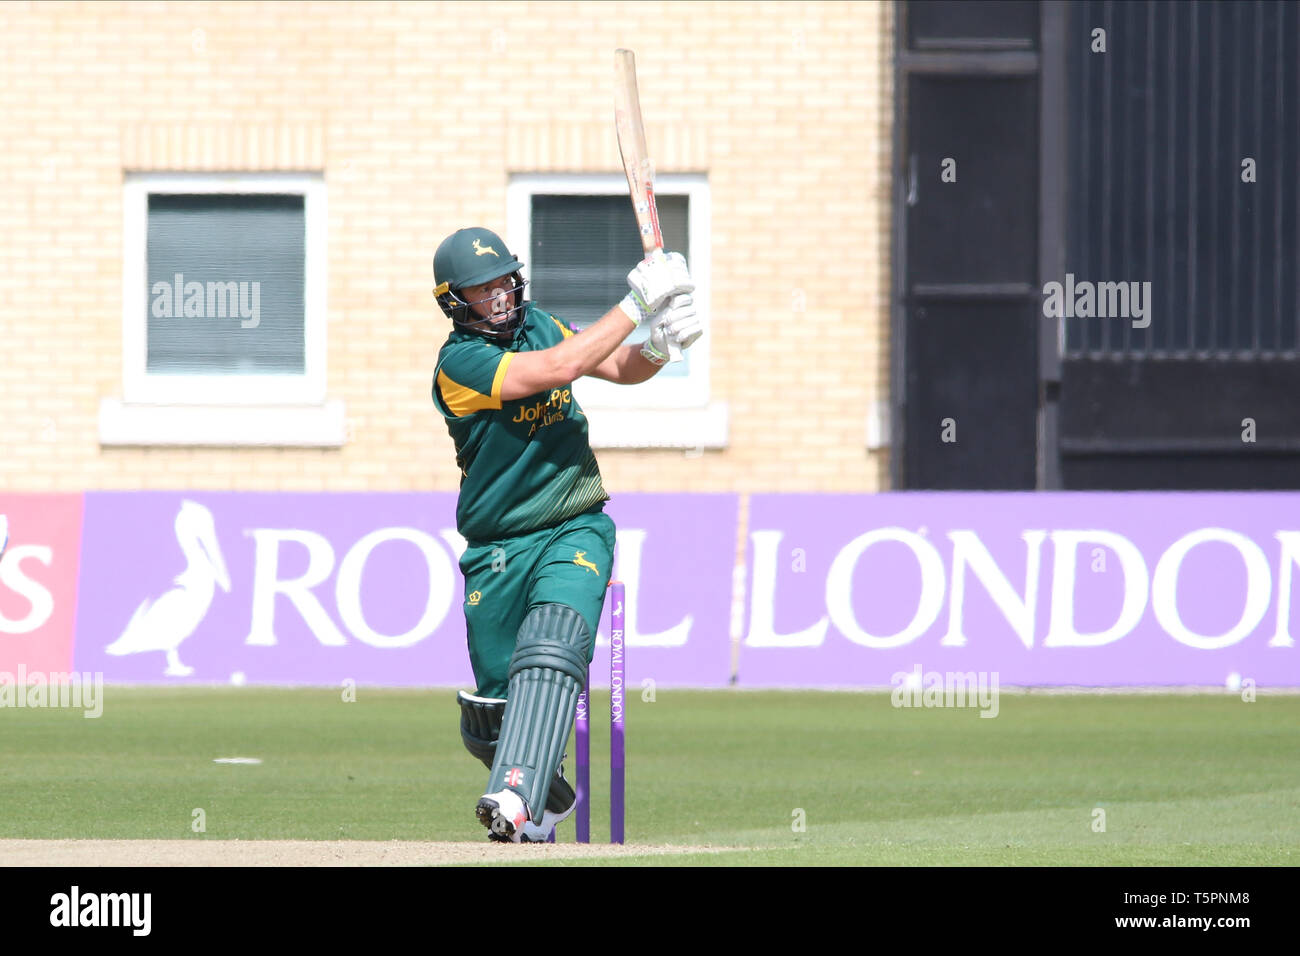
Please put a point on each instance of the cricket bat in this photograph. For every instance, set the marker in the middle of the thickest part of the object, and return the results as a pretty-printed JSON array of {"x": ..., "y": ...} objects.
[{"x": 636, "y": 160}]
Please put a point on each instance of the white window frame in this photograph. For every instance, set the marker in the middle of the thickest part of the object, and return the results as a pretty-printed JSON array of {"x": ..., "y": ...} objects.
[
  {"x": 140, "y": 385},
  {"x": 177, "y": 409},
  {"x": 663, "y": 412}
]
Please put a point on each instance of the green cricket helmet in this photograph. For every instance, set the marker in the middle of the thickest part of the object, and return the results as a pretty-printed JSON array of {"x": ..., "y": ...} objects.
[{"x": 471, "y": 257}]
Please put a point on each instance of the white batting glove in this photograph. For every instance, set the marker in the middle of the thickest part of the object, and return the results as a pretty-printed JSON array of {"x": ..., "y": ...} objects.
[
  {"x": 653, "y": 282},
  {"x": 657, "y": 349},
  {"x": 678, "y": 328},
  {"x": 682, "y": 321}
]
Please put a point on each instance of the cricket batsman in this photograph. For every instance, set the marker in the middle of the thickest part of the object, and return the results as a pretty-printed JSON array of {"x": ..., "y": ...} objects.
[{"x": 531, "y": 506}]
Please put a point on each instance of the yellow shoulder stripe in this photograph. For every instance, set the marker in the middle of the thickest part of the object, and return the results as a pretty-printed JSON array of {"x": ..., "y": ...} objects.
[
  {"x": 462, "y": 400},
  {"x": 568, "y": 332},
  {"x": 499, "y": 379}
]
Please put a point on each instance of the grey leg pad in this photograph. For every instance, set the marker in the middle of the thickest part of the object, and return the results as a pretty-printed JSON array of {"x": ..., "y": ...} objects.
[{"x": 547, "y": 673}]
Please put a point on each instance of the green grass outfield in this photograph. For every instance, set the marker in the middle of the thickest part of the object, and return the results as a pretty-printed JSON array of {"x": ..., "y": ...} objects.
[{"x": 1182, "y": 779}]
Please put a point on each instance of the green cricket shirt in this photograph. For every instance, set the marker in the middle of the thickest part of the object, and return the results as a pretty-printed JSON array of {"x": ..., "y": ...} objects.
[{"x": 525, "y": 464}]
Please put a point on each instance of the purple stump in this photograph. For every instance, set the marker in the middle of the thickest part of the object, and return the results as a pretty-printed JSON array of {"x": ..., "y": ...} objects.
[
  {"x": 582, "y": 744},
  {"x": 616, "y": 709}
]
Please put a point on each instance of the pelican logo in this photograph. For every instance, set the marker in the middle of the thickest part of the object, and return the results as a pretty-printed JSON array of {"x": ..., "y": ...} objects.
[
  {"x": 481, "y": 250},
  {"x": 580, "y": 559},
  {"x": 473, "y": 598},
  {"x": 162, "y": 624}
]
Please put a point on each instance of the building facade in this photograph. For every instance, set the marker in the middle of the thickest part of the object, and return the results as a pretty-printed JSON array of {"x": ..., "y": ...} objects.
[{"x": 141, "y": 139}]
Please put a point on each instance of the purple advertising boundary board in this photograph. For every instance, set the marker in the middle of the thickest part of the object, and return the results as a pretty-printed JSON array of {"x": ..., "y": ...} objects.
[
  {"x": 272, "y": 588},
  {"x": 319, "y": 589},
  {"x": 1044, "y": 589},
  {"x": 1041, "y": 589},
  {"x": 675, "y": 558}
]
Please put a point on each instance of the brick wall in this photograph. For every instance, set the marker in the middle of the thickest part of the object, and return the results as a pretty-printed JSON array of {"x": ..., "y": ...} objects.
[{"x": 417, "y": 114}]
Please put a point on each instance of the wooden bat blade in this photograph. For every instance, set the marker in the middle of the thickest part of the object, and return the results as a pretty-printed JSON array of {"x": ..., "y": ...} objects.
[
  {"x": 635, "y": 154},
  {"x": 636, "y": 161},
  {"x": 627, "y": 109}
]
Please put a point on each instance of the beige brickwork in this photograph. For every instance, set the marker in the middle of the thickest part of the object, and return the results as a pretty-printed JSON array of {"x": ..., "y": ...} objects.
[{"x": 416, "y": 115}]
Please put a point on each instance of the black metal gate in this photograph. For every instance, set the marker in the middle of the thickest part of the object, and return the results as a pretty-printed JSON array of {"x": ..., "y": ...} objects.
[
  {"x": 1185, "y": 173},
  {"x": 1144, "y": 156},
  {"x": 966, "y": 326}
]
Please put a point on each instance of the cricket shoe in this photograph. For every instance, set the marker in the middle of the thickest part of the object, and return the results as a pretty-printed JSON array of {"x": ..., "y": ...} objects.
[
  {"x": 504, "y": 814},
  {"x": 561, "y": 801},
  {"x": 541, "y": 832}
]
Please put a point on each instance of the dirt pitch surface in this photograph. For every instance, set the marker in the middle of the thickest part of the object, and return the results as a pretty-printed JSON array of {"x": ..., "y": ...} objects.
[{"x": 85, "y": 853}]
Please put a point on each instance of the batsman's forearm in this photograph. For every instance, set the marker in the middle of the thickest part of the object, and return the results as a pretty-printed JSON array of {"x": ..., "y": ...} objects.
[
  {"x": 581, "y": 354},
  {"x": 633, "y": 367}
]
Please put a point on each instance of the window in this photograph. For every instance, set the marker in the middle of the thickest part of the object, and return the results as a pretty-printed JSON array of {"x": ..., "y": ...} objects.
[
  {"x": 577, "y": 238},
  {"x": 223, "y": 313}
]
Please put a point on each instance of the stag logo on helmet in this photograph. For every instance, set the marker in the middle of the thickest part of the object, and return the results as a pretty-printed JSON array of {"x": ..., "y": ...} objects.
[{"x": 481, "y": 250}]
